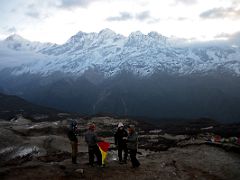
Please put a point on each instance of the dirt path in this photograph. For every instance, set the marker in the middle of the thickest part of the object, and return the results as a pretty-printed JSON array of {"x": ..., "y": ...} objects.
[{"x": 193, "y": 162}]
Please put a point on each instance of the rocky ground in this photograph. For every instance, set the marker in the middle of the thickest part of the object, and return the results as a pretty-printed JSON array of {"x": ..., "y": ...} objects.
[{"x": 41, "y": 150}]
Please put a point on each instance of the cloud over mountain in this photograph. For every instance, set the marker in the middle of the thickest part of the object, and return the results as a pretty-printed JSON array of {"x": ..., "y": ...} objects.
[
  {"x": 123, "y": 16},
  {"x": 218, "y": 13},
  {"x": 140, "y": 16},
  {"x": 75, "y": 3},
  {"x": 186, "y": 2}
]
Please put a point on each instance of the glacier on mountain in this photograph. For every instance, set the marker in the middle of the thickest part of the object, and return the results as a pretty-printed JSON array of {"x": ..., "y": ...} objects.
[{"x": 111, "y": 53}]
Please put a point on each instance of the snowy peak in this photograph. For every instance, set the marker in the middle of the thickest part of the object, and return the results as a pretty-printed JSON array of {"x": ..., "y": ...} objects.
[
  {"x": 152, "y": 39},
  {"x": 150, "y": 35},
  {"x": 82, "y": 40},
  {"x": 111, "y": 53},
  {"x": 77, "y": 38},
  {"x": 107, "y": 37},
  {"x": 107, "y": 33},
  {"x": 158, "y": 37},
  {"x": 90, "y": 42},
  {"x": 15, "y": 38},
  {"x": 136, "y": 36},
  {"x": 18, "y": 43},
  {"x": 104, "y": 34}
]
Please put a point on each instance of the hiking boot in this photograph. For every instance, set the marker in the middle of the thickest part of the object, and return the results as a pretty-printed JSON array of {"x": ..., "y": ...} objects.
[
  {"x": 124, "y": 162},
  {"x": 74, "y": 160},
  {"x": 136, "y": 166},
  {"x": 89, "y": 164}
]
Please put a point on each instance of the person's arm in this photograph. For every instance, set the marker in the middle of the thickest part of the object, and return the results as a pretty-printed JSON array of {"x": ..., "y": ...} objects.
[
  {"x": 132, "y": 138},
  {"x": 116, "y": 138},
  {"x": 86, "y": 139},
  {"x": 125, "y": 135},
  {"x": 78, "y": 132},
  {"x": 97, "y": 139}
]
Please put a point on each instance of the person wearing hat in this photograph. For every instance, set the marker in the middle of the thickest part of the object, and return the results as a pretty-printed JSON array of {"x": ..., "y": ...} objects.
[
  {"x": 120, "y": 138},
  {"x": 72, "y": 136},
  {"x": 132, "y": 145},
  {"x": 92, "y": 139}
]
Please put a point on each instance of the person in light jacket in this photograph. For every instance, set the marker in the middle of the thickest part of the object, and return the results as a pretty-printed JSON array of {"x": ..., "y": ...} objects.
[{"x": 120, "y": 138}]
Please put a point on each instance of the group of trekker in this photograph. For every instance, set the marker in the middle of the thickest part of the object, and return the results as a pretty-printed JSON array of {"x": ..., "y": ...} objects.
[{"x": 125, "y": 141}]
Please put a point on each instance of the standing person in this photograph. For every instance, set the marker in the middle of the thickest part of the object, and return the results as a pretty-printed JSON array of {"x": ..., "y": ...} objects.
[
  {"x": 132, "y": 143},
  {"x": 120, "y": 138},
  {"x": 72, "y": 135},
  {"x": 93, "y": 149}
]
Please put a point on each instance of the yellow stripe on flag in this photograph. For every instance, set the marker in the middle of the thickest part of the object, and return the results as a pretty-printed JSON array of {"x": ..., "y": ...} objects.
[
  {"x": 103, "y": 147},
  {"x": 104, "y": 155}
]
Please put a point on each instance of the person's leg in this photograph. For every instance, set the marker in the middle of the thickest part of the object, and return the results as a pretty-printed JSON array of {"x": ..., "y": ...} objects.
[
  {"x": 91, "y": 155},
  {"x": 135, "y": 162},
  {"x": 120, "y": 153},
  {"x": 125, "y": 154},
  {"x": 98, "y": 154},
  {"x": 74, "y": 152},
  {"x": 132, "y": 157}
]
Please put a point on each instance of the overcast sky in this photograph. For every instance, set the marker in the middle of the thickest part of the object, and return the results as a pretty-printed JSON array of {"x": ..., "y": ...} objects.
[{"x": 57, "y": 20}]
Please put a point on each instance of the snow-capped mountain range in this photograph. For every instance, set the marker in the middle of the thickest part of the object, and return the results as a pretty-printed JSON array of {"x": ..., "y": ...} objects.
[
  {"x": 110, "y": 53},
  {"x": 139, "y": 75}
]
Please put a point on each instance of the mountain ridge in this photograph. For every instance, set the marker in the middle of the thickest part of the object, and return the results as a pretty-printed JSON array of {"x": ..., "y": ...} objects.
[
  {"x": 141, "y": 54},
  {"x": 12, "y": 106},
  {"x": 139, "y": 75}
]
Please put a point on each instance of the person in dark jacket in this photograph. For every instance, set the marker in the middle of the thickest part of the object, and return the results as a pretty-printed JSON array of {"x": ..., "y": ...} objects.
[
  {"x": 93, "y": 149},
  {"x": 132, "y": 145},
  {"x": 72, "y": 135},
  {"x": 121, "y": 142}
]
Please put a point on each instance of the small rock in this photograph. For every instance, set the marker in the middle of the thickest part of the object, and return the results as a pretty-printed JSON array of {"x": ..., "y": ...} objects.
[
  {"x": 79, "y": 171},
  {"x": 163, "y": 165}
]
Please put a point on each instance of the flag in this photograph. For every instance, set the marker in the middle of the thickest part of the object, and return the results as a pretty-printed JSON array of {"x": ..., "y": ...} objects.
[{"x": 103, "y": 146}]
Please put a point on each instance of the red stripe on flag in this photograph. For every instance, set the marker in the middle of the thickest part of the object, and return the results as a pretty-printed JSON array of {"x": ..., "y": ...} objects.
[{"x": 104, "y": 146}]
